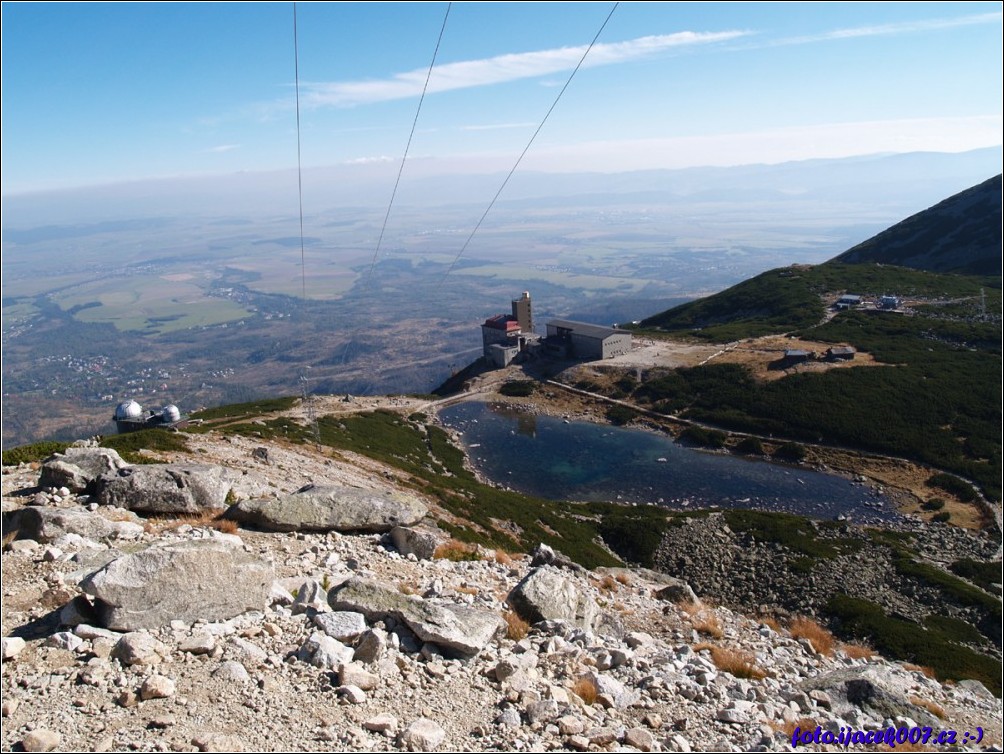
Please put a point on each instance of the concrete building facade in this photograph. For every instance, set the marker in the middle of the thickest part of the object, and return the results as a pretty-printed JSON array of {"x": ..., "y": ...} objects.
[{"x": 580, "y": 340}]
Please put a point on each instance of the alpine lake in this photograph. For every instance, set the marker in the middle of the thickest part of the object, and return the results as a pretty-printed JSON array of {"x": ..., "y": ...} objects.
[{"x": 559, "y": 459}]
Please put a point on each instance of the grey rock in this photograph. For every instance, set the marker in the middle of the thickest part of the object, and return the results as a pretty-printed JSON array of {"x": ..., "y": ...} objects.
[
  {"x": 543, "y": 555},
  {"x": 341, "y": 625},
  {"x": 41, "y": 740},
  {"x": 12, "y": 646},
  {"x": 65, "y": 640},
  {"x": 232, "y": 671},
  {"x": 199, "y": 643},
  {"x": 542, "y": 712},
  {"x": 459, "y": 630},
  {"x": 371, "y": 646},
  {"x": 612, "y": 692},
  {"x": 250, "y": 655},
  {"x": 139, "y": 648},
  {"x": 356, "y": 675},
  {"x": 422, "y": 735},
  {"x": 77, "y": 468},
  {"x": 640, "y": 739},
  {"x": 680, "y": 591},
  {"x": 871, "y": 689},
  {"x": 156, "y": 687},
  {"x": 352, "y": 694},
  {"x": 418, "y": 541},
  {"x": 46, "y": 525},
  {"x": 209, "y": 579},
  {"x": 382, "y": 723},
  {"x": 547, "y": 594},
  {"x": 321, "y": 651},
  {"x": 165, "y": 488},
  {"x": 310, "y": 595},
  {"x": 329, "y": 508}
]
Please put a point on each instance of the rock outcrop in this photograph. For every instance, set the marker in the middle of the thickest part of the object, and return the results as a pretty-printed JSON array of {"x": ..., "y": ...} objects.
[
  {"x": 330, "y": 508},
  {"x": 455, "y": 629},
  {"x": 546, "y": 593},
  {"x": 203, "y": 579},
  {"x": 165, "y": 488},
  {"x": 77, "y": 468}
]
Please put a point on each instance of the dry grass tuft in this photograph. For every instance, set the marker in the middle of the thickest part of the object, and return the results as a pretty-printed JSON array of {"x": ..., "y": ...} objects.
[
  {"x": 608, "y": 584},
  {"x": 205, "y": 520},
  {"x": 585, "y": 689},
  {"x": 929, "y": 672},
  {"x": 858, "y": 651},
  {"x": 472, "y": 590},
  {"x": 771, "y": 623},
  {"x": 503, "y": 558},
  {"x": 709, "y": 625},
  {"x": 623, "y": 578},
  {"x": 515, "y": 627},
  {"x": 738, "y": 662},
  {"x": 821, "y": 640},
  {"x": 935, "y": 709},
  {"x": 456, "y": 551},
  {"x": 803, "y": 723},
  {"x": 406, "y": 588}
]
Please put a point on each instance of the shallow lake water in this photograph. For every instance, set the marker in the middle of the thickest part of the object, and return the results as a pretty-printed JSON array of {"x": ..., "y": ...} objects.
[{"x": 567, "y": 460}]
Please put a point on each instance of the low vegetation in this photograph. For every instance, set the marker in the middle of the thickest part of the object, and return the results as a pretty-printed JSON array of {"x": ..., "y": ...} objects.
[
  {"x": 738, "y": 662},
  {"x": 937, "y": 406},
  {"x": 251, "y": 408},
  {"x": 518, "y": 388},
  {"x": 150, "y": 440},
  {"x": 38, "y": 451},
  {"x": 905, "y": 640},
  {"x": 821, "y": 639}
]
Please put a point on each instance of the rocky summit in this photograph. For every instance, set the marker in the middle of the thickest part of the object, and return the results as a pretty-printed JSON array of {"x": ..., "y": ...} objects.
[{"x": 332, "y": 632}]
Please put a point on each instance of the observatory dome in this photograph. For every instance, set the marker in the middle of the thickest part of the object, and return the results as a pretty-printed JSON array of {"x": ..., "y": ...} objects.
[
  {"x": 170, "y": 414},
  {"x": 128, "y": 410}
]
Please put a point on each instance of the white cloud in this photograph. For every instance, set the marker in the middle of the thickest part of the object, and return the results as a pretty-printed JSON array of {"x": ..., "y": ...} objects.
[
  {"x": 499, "y": 69},
  {"x": 905, "y": 27},
  {"x": 223, "y": 148}
]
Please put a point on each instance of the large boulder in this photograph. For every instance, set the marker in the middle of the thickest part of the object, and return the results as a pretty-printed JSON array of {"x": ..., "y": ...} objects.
[
  {"x": 421, "y": 542},
  {"x": 877, "y": 690},
  {"x": 165, "y": 488},
  {"x": 547, "y": 594},
  {"x": 329, "y": 508},
  {"x": 46, "y": 525},
  {"x": 211, "y": 579},
  {"x": 458, "y": 630},
  {"x": 77, "y": 468}
]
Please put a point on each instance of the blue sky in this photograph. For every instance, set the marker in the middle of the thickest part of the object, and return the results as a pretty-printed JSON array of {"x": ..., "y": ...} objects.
[{"x": 103, "y": 93}]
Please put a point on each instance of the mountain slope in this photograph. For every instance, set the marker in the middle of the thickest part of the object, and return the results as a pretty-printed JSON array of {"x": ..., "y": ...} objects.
[{"x": 961, "y": 234}]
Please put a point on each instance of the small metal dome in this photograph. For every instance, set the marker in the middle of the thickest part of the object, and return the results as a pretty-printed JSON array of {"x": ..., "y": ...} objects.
[
  {"x": 170, "y": 414},
  {"x": 128, "y": 410}
]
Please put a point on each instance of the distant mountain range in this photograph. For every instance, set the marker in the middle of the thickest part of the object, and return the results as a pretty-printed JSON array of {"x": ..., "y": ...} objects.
[{"x": 961, "y": 234}]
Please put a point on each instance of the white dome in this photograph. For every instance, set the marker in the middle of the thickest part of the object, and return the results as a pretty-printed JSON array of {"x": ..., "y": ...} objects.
[
  {"x": 128, "y": 410},
  {"x": 170, "y": 414}
]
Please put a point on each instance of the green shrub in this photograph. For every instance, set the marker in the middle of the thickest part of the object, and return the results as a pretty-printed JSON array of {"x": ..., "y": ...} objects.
[
  {"x": 791, "y": 451},
  {"x": 934, "y": 504},
  {"x": 984, "y": 574},
  {"x": 903, "y": 640},
  {"x": 952, "y": 484},
  {"x": 130, "y": 444},
  {"x": 941, "y": 518},
  {"x": 750, "y": 446},
  {"x": 621, "y": 415},
  {"x": 705, "y": 438},
  {"x": 38, "y": 451},
  {"x": 518, "y": 388}
]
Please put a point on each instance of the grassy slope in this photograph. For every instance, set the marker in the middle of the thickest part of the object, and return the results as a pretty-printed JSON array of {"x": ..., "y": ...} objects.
[{"x": 941, "y": 405}]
